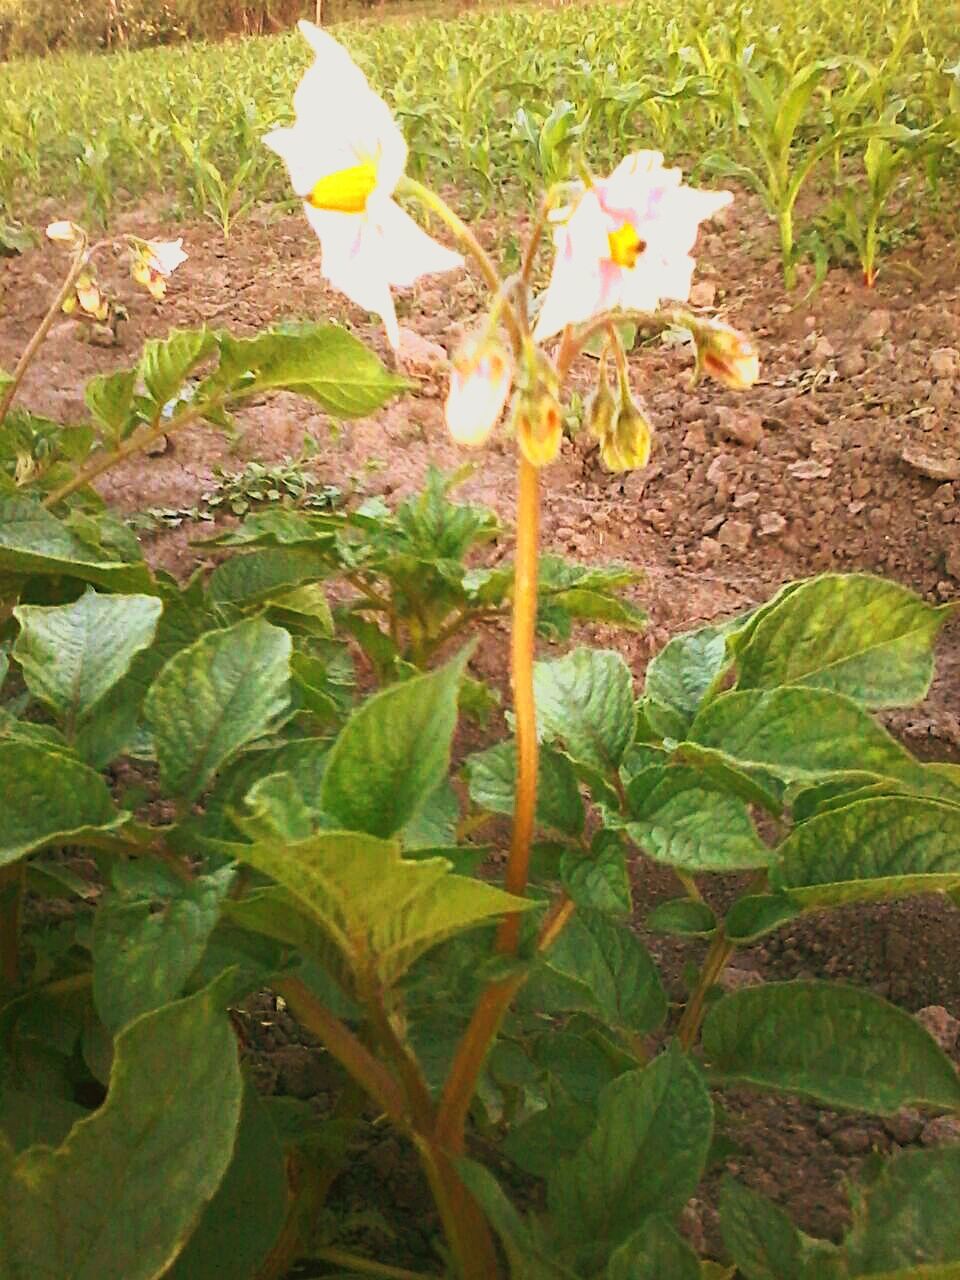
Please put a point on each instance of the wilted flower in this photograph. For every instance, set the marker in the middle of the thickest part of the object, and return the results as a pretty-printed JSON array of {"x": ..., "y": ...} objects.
[
  {"x": 625, "y": 243},
  {"x": 480, "y": 382},
  {"x": 346, "y": 154},
  {"x": 89, "y": 297},
  {"x": 154, "y": 261},
  {"x": 538, "y": 417},
  {"x": 727, "y": 355},
  {"x": 65, "y": 232}
]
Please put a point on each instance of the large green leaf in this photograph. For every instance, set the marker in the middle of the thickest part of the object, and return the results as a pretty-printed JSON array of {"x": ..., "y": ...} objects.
[
  {"x": 214, "y": 697},
  {"x": 855, "y": 634},
  {"x": 600, "y": 967},
  {"x": 149, "y": 933},
  {"x": 257, "y": 575},
  {"x": 645, "y": 1156},
  {"x": 48, "y": 798},
  {"x": 394, "y": 752},
  {"x": 109, "y": 398},
  {"x": 119, "y": 1197},
  {"x": 678, "y": 817},
  {"x": 323, "y": 362},
  {"x": 166, "y": 362},
  {"x": 599, "y": 878},
  {"x": 763, "y": 1241},
  {"x": 799, "y": 733},
  {"x": 878, "y": 848},
  {"x": 492, "y": 776},
  {"x": 243, "y": 1220},
  {"x": 655, "y": 1252},
  {"x": 73, "y": 654},
  {"x": 32, "y": 541},
  {"x": 906, "y": 1217},
  {"x": 530, "y": 1257},
  {"x": 585, "y": 700},
  {"x": 380, "y": 911},
  {"x": 685, "y": 668},
  {"x": 843, "y": 1046}
]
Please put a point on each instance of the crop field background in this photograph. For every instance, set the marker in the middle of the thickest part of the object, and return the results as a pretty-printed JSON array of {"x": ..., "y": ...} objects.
[{"x": 865, "y": 103}]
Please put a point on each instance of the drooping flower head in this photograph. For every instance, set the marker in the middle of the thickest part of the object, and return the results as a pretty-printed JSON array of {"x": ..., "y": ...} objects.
[
  {"x": 625, "y": 243},
  {"x": 727, "y": 355},
  {"x": 480, "y": 380},
  {"x": 154, "y": 261},
  {"x": 345, "y": 155}
]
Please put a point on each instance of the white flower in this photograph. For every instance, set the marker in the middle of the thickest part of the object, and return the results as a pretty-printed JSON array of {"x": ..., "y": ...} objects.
[
  {"x": 345, "y": 155},
  {"x": 626, "y": 243},
  {"x": 480, "y": 382},
  {"x": 154, "y": 261},
  {"x": 64, "y": 232}
]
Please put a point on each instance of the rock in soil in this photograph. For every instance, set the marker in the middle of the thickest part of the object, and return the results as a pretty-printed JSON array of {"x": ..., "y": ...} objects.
[
  {"x": 944, "y": 1028},
  {"x": 904, "y": 1127},
  {"x": 743, "y": 425},
  {"x": 943, "y": 1131}
]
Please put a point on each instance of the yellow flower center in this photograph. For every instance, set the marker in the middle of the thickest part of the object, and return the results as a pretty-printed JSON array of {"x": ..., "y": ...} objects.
[
  {"x": 625, "y": 246},
  {"x": 346, "y": 191}
]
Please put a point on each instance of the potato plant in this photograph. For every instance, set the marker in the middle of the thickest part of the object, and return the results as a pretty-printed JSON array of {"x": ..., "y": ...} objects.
[{"x": 188, "y": 770}]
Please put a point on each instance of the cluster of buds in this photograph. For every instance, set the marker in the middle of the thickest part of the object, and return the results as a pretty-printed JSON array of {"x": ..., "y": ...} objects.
[
  {"x": 618, "y": 423},
  {"x": 152, "y": 262}
]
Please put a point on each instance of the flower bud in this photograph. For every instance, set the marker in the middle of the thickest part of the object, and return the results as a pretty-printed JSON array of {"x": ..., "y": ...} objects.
[
  {"x": 91, "y": 298},
  {"x": 539, "y": 417},
  {"x": 65, "y": 232},
  {"x": 626, "y": 447},
  {"x": 600, "y": 411},
  {"x": 480, "y": 382},
  {"x": 727, "y": 355}
]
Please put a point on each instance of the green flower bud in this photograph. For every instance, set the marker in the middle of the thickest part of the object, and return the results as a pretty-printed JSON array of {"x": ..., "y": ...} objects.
[{"x": 627, "y": 446}]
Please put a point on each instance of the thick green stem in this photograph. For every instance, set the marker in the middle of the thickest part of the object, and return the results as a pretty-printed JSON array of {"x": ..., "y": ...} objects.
[
  {"x": 364, "y": 1266},
  {"x": 36, "y": 342}
]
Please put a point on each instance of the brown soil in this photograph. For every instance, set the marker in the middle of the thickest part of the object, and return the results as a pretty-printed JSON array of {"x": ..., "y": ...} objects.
[{"x": 805, "y": 473}]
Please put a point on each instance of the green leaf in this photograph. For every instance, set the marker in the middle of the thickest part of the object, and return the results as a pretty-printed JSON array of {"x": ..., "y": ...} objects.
[
  {"x": 754, "y": 915},
  {"x": 380, "y": 911},
  {"x": 759, "y": 1236},
  {"x": 393, "y": 752},
  {"x": 32, "y": 541},
  {"x": 906, "y": 1217},
  {"x": 32, "y": 1119},
  {"x": 853, "y": 634},
  {"x": 842, "y": 1046},
  {"x": 307, "y": 606},
  {"x": 166, "y": 362},
  {"x": 214, "y": 697},
  {"x": 322, "y": 362},
  {"x": 682, "y": 917},
  {"x": 435, "y": 823},
  {"x": 681, "y": 673},
  {"x": 799, "y": 733},
  {"x": 119, "y": 1197},
  {"x": 243, "y": 1220},
  {"x": 492, "y": 777},
  {"x": 529, "y": 1258},
  {"x": 655, "y": 1252},
  {"x": 109, "y": 398},
  {"x": 645, "y": 1155},
  {"x": 585, "y": 700},
  {"x": 678, "y": 818},
  {"x": 260, "y": 575},
  {"x": 72, "y": 655},
  {"x": 599, "y": 879},
  {"x": 869, "y": 851},
  {"x": 722, "y": 773},
  {"x": 601, "y": 967},
  {"x": 555, "y": 1133},
  {"x": 49, "y": 798},
  {"x": 149, "y": 933}
]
